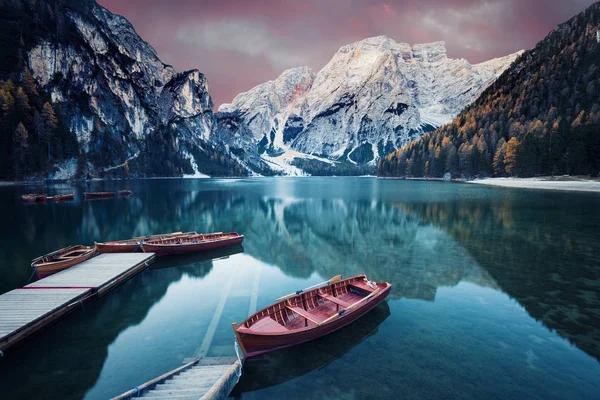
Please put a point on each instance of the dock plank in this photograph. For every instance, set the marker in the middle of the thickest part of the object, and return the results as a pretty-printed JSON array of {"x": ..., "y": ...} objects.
[
  {"x": 208, "y": 378},
  {"x": 25, "y": 311},
  {"x": 95, "y": 272}
]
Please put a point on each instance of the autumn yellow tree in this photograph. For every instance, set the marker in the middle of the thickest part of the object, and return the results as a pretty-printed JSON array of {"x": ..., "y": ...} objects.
[
  {"x": 510, "y": 158},
  {"x": 498, "y": 163}
]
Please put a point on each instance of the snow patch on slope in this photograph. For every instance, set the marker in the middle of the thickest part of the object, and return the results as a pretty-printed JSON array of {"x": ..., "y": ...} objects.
[{"x": 192, "y": 160}]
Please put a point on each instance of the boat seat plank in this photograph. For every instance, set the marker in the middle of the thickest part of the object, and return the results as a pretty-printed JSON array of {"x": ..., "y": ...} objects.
[
  {"x": 335, "y": 300},
  {"x": 268, "y": 324},
  {"x": 362, "y": 286},
  {"x": 303, "y": 313}
]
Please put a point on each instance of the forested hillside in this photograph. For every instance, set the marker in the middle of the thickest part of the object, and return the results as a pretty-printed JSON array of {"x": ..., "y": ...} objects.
[
  {"x": 32, "y": 131},
  {"x": 82, "y": 95},
  {"x": 541, "y": 117}
]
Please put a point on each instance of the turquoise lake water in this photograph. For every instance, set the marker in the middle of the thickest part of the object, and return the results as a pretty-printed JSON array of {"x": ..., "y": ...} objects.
[{"x": 496, "y": 292}]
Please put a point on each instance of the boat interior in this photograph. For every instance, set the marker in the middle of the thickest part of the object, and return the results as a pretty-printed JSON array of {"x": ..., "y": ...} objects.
[
  {"x": 67, "y": 255},
  {"x": 311, "y": 308},
  {"x": 193, "y": 238}
]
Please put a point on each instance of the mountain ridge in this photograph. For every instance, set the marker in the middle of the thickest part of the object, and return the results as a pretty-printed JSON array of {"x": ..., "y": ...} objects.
[
  {"x": 374, "y": 95},
  {"x": 541, "y": 117},
  {"x": 132, "y": 115}
]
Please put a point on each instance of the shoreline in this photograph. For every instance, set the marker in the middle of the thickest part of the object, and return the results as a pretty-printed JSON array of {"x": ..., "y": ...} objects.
[
  {"x": 93, "y": 180},
  {"x": 565, "y": 183},
  {"x": 573, "y": 184}
]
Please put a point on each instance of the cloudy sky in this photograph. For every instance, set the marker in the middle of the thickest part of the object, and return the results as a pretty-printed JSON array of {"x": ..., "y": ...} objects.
[{"x": 238, "y": 44}]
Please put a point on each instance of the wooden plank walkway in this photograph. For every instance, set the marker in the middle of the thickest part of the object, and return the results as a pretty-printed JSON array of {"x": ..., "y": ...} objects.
[
  {"x": 203, "y": 378},
  {"x": 25, "y": 311}
]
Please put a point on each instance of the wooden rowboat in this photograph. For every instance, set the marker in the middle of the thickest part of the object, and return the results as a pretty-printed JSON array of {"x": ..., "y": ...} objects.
[
  {"x": 134, "y": 244},
  {"x": 125, "y": 192},
  {"x": 63, "y": 197},
  {"x": 62, "y": 259},
  {"x": 277, "y": 367},
  {"x": 309, "y": 314},
  {"x": 33, "y": 198},
  {"x": 99, "y": 195},
  {"x": 192, "y": 244}
]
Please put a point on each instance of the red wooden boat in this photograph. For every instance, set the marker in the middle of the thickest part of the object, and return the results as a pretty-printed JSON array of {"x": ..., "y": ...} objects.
[
  {"x": 192, "y": 244},
  {"x": 99, "y": 195},
  {"x": 133, "y": 244},
  {"x": 309, "y": 314},
  {"x": 125, "y": 192},
  {"x": 33, "y": 198},
  {"x": 63, "y": 197},
  {"x": 62, "y": 259}
]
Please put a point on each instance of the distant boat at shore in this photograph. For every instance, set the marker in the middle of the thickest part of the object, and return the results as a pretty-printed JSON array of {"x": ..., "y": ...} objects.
[
  {"x": 63, "y": 197},
  {"x": 99, "y": 195},
  {"x": 34, "y": 198}
]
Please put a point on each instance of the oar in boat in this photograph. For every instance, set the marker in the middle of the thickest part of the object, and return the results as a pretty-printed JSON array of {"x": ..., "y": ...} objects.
[
  {"x": 330, "y": 281},
  {"x": 339, "y": 313}
]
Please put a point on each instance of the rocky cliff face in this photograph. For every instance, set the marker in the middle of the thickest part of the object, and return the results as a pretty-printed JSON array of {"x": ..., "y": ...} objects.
[
  {"x": 372, "y": 97},
  {"x": 124, "y": 104}
]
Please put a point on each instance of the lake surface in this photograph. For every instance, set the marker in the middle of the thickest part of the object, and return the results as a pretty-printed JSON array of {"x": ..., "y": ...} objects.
[{"x": 496, "y": 292}]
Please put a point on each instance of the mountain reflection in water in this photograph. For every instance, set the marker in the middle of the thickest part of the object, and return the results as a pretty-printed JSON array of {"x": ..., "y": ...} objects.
[{"x": 442, "y": 246}]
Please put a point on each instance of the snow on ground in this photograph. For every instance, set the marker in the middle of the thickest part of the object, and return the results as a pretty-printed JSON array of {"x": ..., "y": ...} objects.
[
  {"x": 197, "y": 173},
  {"x": 64, "y": 170},
  {"x": 550, "y": 183},
  {"x": 283, "y": 162}
]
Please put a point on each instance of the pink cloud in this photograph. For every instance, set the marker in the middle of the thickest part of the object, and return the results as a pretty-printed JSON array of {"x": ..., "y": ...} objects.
[{"x": 238, "y": 44}]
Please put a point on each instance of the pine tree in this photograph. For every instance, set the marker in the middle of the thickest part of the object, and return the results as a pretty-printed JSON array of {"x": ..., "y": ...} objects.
[
  {"x": 30, "y": 84},
  {"x": 452, "y": 160},
  {"x": 7, "y": 102},
  {"x": 21, "y": 137},
  {"x": 19, "y": 146},
  {"x": 50, "y": 123}
]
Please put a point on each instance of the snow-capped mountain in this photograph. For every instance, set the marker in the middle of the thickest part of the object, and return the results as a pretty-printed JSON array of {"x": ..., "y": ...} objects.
[
  {"x": 372, "y": 97},
  {"x": 122, "y": 102}
]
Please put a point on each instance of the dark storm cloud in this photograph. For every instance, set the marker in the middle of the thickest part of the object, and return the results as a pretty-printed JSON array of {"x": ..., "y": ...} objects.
[{"x": 238, "y": 44}]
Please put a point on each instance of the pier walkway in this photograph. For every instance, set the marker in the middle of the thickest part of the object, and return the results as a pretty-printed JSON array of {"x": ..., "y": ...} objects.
[
  {"x": 204, "y": 378},
  {"x": 27, "y": 310}
]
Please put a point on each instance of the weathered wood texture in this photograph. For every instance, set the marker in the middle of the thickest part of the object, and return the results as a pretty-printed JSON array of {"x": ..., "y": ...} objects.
[
  {"x": 25, "y": 311},
  {"x": 208, "y": 378},
  {"x": 97, "y": 272}
]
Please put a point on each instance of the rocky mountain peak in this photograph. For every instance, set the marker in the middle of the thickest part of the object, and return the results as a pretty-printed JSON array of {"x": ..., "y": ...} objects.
[
  {"x": 124, "y": 105},
  {"x": 373, "y": 96}
]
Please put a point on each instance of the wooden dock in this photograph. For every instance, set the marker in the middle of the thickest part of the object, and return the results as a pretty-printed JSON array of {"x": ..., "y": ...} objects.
[
  {"x": 25, "y": 311},
  {"x": 203, "y": 378}
]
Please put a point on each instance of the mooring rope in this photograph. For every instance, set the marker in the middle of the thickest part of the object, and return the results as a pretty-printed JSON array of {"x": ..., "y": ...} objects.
[
  {"x": 138, "y": 247},
  {"x": 138, "y": 390},
  {"x": 31, "y": 276},
  {"x": 237, "y": 352}
]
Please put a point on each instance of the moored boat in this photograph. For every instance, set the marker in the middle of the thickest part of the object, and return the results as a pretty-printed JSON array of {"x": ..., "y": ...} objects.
[
  {"x": 192, "y": 244},
  {"x": 309, "y": 314},
  {"x": 277, "y": 367},
  {"x": 99, "y": 195},
  {"x": 63, "y": 197},
  {"x": 125, "y": 192},
  {"x": 62, "y": 259},
  {"x": 33, "y": 198},
  {"x": 135, "y": 244}
]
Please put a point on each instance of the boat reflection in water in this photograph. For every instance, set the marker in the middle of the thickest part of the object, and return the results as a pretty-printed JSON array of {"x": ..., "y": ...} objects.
[
  {"x": 280, "y": 366},
  {"x": 188, "y": 260}
]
